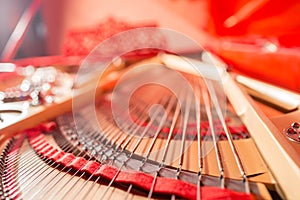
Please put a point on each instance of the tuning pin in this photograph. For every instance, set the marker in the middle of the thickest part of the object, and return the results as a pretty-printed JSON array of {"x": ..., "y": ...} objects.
[
  {"x": 69, "y": 132},
  {"x": 85, "y": 148},
  {"x": 74, "y": 137},
  {"x": 293, "y": 132},
  {"x": 295, "y": 125}
]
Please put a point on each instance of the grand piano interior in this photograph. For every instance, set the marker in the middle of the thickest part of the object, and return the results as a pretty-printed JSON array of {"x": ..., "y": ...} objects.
[{"x": 170, "y": 99}]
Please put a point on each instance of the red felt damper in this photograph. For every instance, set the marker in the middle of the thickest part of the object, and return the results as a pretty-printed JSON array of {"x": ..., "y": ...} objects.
[{"x": 166, "y": 186}]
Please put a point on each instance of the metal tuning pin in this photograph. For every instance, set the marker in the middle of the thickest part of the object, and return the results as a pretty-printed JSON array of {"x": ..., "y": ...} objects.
[
  {"x": 293, "y": 132},
  {"x": 38, "y": 86}
]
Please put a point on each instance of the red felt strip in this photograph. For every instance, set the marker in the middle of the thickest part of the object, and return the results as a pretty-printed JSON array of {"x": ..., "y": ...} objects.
[
  {"x": 237, "y": 130},
  {"x": 56, "y": 156},
  {"x": 66, "y": 159},
  {"x": 50, "y": 153},
  {"x": 78, "y": 163},
  {"x": 142, "y": 180},
  {"x": 91, "y": 167}
]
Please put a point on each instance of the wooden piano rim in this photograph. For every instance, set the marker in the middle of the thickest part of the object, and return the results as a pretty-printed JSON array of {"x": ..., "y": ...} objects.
[{"x": 273, "y": 146}]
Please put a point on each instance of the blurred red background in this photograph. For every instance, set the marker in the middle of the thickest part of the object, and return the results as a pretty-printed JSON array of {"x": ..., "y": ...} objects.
[{"x": 259, "y": 38}]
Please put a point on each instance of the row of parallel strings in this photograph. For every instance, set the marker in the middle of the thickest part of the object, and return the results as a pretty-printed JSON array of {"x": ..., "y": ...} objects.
[
  {"x": 33, "y": 176},
  {"x": 112, "y": 142},
  {"x": 175, "y": 114}
]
